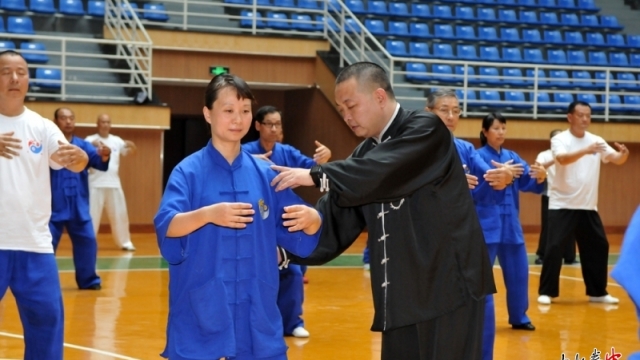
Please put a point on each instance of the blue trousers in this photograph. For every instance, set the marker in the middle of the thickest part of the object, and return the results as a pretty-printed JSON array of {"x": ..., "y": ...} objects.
[
  {"x": 365, "y": 255},
  {"x": 489, "y": 328},
  {"x": 290, "y": 298},
  {"x": 85, "y": 249},
  {"x": 515, "y": 271},
  {"x": 34, "y": 282}
]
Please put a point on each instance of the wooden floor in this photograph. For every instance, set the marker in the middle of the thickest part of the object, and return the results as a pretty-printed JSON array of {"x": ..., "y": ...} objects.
[{"x": 127, "y": 318}]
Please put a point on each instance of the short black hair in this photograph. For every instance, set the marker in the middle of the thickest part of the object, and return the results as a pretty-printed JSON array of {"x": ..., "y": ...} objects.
[
  {"x": 573, "y": 105},
  {"x": 55, "y": 113},
  {"x": 222, "y": 81},
  {"x": 367, "y": 72},
  {"x": 12, "y": 53},
  {"x": 264, "y": 111},
  {"x": 487, "y": 122}
]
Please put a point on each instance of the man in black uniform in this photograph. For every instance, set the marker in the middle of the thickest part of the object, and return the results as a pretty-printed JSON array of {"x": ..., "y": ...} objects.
[{"x": 430, "y": 269}]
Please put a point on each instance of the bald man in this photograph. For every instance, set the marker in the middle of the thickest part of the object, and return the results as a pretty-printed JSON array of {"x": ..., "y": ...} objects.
[{"x": 105, "y": 187}]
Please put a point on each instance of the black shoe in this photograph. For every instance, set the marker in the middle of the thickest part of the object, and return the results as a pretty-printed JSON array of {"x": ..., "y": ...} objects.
[
  {"x": 527, "y": 326},
  {"x": 93, "y": 287},
  {"x": 538, "y": 261},
  {"x": 571, "y": 262}
]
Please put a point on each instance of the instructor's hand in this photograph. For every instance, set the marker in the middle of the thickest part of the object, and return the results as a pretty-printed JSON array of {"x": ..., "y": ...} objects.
[{"x": 291, "y": 178}]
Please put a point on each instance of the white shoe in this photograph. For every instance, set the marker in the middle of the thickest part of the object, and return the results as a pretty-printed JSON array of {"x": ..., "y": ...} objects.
[
  {"x": 367, "y": 266},
  {"x": 300, "y": 332},
  {"x": 607, "y": 299},
  {"x": 128, "y": 247},
  {"x": 544, "y": 300}
]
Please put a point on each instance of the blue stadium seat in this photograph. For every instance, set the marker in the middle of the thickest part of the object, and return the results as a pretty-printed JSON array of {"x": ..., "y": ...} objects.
[
  {"x": 377, "y": 7},
  {"x": 332, "y": 23},
  {"x": 513, "y": 76},
  {"x": 375, "y": 26},
  {"x": 7, "y": 45},
  {"x": 528, "y": 3},
  {"x": 420, "y": 10},
  {"x": 626, "y": 80},
  {"x": 155, "y": 12},
  {"x": 589, "y": 99},
  {"x": 618, "y": 59},
  {"x": 486, "y": 14},
  {"x": 567, "y": 4},
  {"x": 634, "y": 60},
  {"x": 547, "y": 3},
  {"x": 559, "y": 78},
  {"x": 616, "y": 40},
  {"x": 515, "y": 99},
  {"x": 467, "y": 52},
  {"x": 582, "y": 79},
  {"x": 416, "y": 72},
  {"x": 511, "y": 54},
  {"x": 489, "y": 53},
  {"x": 465, "y": 32},
  {"x": 263, "y": 2},
  {"x": 398, "y": 9},
  {"x": 33, "y": 52},
  {"x": 13, "y": 5},
  {"x": 42, "y": 6},
  {"x": 589, "y": 20},
  {"x": 562, "y": 100},
  {"x": 528, "y": 17},
  {"x": 356, "y": 6},
  {"x": 20, "y": 25},
  {"x": 351, "y": 26},
  {"x": 465, "y": 12},
  {"x": 507, "y": 16},
  {"x": 576, "y": 57},
  {"x": 601, "y": 79},
  {"x": 95, "y": 8},
  {"x": 533, "y": 56},
  {"x": 247, "y": 17},
  {"x": 553, "y": 37},
  {"x": 283, "y": 3},
  {"x": 506, "y": 2},
  {"x": 48, "y": 78},
  {"x": 470, "y": 73},
  {"x": 442, "y": 12},
  {"x": 332, "y": 5},
  {"x": 398, "y": 28},
  {"x": 442, "y": 72},
  {"x": 419, "y": 30},
  {"x": 543, "y": 100},
  {"x": 573, "y": 38},
  {"x": 302, "y": 23},
  {"x": 595, "y": 39},
  {"x": 549, "y": 18},
  {"x": 611, "y": 22},
  {"x": 531, "y": 36},
  {"x": 509, "y": 34},
  {"x": 487, "y": 33},
  {"x": 569, "y": 19},
  {"x": 488, "y": 75},
  {"x": 632, "y": 103},
  {"x": 444, "y": 51},
  {"x": 395, "y": 47},
  {"x": 542, "y": 75},
  {"x": 491, "y": 98},
  {"x": 72, "y": 7},
  {"x": 127, "y": 11},
  {"x": 238, "y": 2},
  {"x": 556, "y": 56},
  {"x": 614, "y": 103},
  {"x": 443, "y": 31},
  {"x": 633, "y": 41},
  {"x": 310, "y": 4},
  {"x": 470, "y": 95},
  {"x": 588, "y": 5},
  {"x": 419, "y": 49},
  {"x": 2, "y": 29},
  {"x": 278, "y": 20}
]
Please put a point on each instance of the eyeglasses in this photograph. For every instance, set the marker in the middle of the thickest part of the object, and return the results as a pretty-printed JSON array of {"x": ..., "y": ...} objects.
[
  {"x": 272, "y": 125},
  {"x": 453, "y": 112}
]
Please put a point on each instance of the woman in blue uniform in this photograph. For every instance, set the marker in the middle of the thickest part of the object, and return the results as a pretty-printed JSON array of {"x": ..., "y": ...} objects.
[
  {"x": 218, "y": 226},
  {"x": 501, "y": 224}
]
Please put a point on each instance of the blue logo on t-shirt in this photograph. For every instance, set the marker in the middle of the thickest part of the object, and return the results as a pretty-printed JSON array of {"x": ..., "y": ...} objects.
[{"x": 35, "y": 146}]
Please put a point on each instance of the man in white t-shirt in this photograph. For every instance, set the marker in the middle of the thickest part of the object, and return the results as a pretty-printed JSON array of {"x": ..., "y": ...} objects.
[
  {"x": 105, "y": 187},
  {"x": 573, "y": 206},
  {"x": 547, "y": 160},
  {"x": 29, "y": 146}
]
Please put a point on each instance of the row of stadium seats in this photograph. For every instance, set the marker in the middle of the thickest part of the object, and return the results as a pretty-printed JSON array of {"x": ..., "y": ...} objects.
[
  {"x": 584, "y": 5},
  {"x": 150, "y": 11},
  {"x": 47, "y": 79},
  {"x": 512, "y": 54},
  {"x": 507, "y": 34},
  {"x": 556, "y": 101},
  {"x": 487, "y": 75},
  {"x": 33, "y": 52}
]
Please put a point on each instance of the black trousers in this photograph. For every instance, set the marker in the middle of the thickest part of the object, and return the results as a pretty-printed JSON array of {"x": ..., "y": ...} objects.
[
  {"x": 569, "y": 254},
  {"x": 586, "y": 227},
  {"x": 454, "y": 336}
]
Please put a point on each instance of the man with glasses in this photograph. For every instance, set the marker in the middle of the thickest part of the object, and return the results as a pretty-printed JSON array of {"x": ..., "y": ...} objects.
[{"x": 268, "y": 122}]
